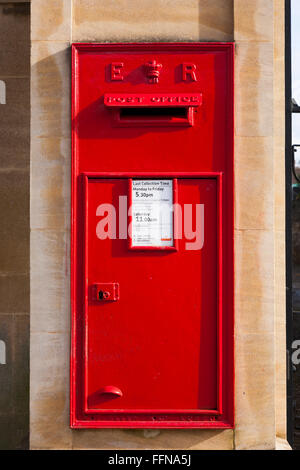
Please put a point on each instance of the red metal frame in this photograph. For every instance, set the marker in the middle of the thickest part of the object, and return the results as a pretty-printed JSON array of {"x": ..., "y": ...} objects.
[
  {"x": 145, "y": 101},
  {"x": 143, "y": 418},
  {"x": 152, "y": 100}
]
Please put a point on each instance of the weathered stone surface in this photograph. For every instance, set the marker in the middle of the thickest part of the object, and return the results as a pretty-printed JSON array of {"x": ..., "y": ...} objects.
[
  {"x": 254, "y": 262},
  {"x": 14, "y": 1},
  {"x": 254, "y": 89},
  {"x": 282, "y": 444},
  {"x": 16, "y": 110},
  {"x": 15, "y": 435},
  {"x": 50, "y": 285},
  {"x": 14, "y": 379},
  {"x": 50, "y": 198},
  {"x": 49, "y": 411},
  {"x": 14, "y": 210},
  {"x": 14, "y": 227},
  {"x": 50, "y": 89},
  {"x": 14, "y": 39},
  {"x": 255, "y": 398},
  {"x": 50, "y": 21},
  {"x": 14, "y": 293},
  {"x": 254, "y": 187},
  {"x": 151, "y": 439},
  {"x": 280, "y": 330},
  {"x": 51, "y": 151},
  {"x": 254, "y": 287},
  {"x": 15, "y": 123},
  {"x": 258, "y": 111},
  {"x": 279, "y": 216},
  {"x": 254, "y": 340},
  {"x": 254, "y": 20}
]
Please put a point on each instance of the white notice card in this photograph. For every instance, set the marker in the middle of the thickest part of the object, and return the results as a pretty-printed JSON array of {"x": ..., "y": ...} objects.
[{"x": 152, "y": 213}]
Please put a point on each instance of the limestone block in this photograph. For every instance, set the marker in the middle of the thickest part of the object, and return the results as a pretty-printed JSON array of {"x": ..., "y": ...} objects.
[
  {"x": 14, "y": 378},
  {"x": 49, "y": 411},
  {"x": 253, "y": 20},
  {"x": 149, "y": 439},
  {"x": 15, "y": 123},
  {"x": 51, "y": 183},
  {"x": 14, "y": 210},
  {"x": 14, "y": 293},
  {"x": 50, "y": 89},
  {"x": 255, "y": 397},
  {"x": 254, "y": 205},
  {"x": 280, "y": 333},
  {"x": 254, "y": 282},
  {"x": 14, "y": 39},
  {"x": 51, "y": 20},
  {"x": 254, "y": 89},
  {"x": 15, "y": 435},
  {"x": 50, "y": 291}
]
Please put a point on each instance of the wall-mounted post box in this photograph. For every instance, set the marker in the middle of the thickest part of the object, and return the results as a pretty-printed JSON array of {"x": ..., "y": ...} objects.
[{"x": 152, "y": 236}]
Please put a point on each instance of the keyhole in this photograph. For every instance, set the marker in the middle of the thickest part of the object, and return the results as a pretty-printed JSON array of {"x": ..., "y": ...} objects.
[{"x": 103, "y": 295}]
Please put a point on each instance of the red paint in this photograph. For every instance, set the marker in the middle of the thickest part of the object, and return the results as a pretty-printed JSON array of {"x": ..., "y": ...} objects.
[
  {"x": 153, "y": 71},
  {"x": 110, "y": 392},
  {"x": 105, "y": 292},
  {"x": 165, "y": 100},
  {"x": 160, "y": 355}
]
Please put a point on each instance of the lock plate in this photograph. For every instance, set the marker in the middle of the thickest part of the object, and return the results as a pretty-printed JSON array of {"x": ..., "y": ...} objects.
[{"x": 106, "y": 292}]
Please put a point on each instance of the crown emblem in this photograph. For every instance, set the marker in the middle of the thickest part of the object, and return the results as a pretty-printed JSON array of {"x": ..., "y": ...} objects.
[{"x": 153, "y": 71}]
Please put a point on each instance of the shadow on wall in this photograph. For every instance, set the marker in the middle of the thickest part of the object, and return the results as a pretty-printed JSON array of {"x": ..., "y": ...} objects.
[{"x": 14, "y": 227}]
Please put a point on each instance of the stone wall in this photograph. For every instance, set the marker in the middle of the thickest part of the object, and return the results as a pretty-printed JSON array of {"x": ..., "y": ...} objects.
[
  {"x": 14, "y": 226},
  {"x": 279, "y": 217},
  {"x": 259, "y": 243},
  {"x": 254, "y": 226}
]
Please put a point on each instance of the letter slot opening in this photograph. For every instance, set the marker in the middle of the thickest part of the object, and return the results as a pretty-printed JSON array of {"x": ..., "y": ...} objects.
[
  {"x": 157, "y": 110},
  {"x": 153, "y": 117}
]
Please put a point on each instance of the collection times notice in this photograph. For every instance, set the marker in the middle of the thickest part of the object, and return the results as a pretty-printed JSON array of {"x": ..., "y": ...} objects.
[{"x": 152, "y": 214}]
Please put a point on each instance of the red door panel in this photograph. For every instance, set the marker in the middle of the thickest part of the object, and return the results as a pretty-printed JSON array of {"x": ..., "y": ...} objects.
[{"x": 158, "y": 342}]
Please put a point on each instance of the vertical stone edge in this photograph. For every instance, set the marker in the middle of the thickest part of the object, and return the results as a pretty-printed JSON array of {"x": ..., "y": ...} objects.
[
  {"x": 49, "y": 350},
  {"x": 279, "y": 216},
  {"x": 255, "y": 419}
]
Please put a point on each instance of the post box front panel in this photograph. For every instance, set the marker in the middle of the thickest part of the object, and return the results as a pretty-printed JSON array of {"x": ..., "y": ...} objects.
[{"x": 152, "y": 290}]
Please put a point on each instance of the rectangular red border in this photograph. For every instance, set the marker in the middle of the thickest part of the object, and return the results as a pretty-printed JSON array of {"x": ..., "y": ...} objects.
[{"x": 225, "y": 328}]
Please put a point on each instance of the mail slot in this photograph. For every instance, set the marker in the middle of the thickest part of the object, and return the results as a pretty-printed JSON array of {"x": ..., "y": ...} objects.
[{"x": 152, "y": 236}]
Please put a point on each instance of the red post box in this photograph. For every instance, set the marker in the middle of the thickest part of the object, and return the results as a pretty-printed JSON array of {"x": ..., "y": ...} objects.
[{"x": 152, "y": 236}]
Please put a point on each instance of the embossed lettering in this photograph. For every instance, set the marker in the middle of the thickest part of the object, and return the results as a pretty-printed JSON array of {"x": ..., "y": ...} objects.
[
  {"x": 116, "y": 71},
  {"x": 188, "y": 72}
]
